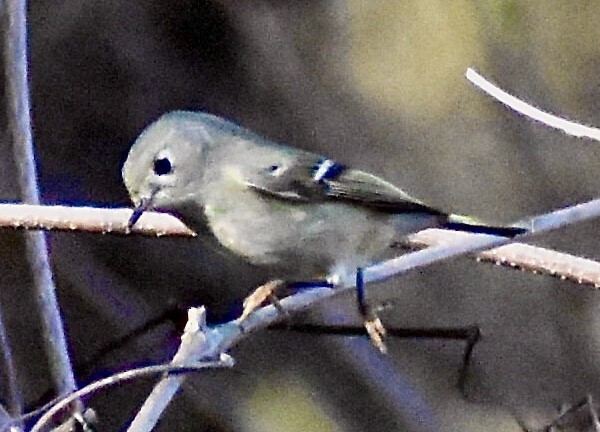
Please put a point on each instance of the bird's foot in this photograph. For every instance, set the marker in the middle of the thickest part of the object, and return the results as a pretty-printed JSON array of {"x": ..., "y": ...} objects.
[
  {"x": 376, "y": 332},
  {"x": 261, "y": 294},
  {"x": 373, "y": 324}
]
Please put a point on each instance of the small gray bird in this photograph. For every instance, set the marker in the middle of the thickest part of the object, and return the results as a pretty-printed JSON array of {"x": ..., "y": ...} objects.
[{"x": 301, "y": 215}]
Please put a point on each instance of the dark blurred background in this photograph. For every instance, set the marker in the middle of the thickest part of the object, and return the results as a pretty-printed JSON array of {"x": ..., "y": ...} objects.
[{"x": 378, "y": 85}]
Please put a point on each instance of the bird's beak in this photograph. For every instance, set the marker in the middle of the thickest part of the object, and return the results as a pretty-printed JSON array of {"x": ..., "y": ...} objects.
[{"x": 139, "y": 209}]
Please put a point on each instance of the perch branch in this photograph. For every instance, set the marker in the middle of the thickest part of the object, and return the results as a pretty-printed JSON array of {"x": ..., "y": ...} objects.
[
  {"x": 533, "y": 259},
  {"x": 88, "y": 219},
  {"x": 114, "y": 221},
  {"x": 216, "y": 340}
]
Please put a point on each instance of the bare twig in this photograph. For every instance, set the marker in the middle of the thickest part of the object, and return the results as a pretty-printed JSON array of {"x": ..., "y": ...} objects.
[
  {"x": 37, "y": 254},
  {"x": 114, "y": 221},
  {"x": 208, "y": 344},
  {"x": 88, "y": 219},
  {"x": 8, "y": 423},
  {"x": 56, "y": 406},
  {"x": 479, "y": 242},
  {"x": 84, "y": 421},
  {"x": 14, "y": 397},
  {"x": 569, "y": 127},
  {"x": 533, "y": 259},
  {"x": 19, "y": 123}
]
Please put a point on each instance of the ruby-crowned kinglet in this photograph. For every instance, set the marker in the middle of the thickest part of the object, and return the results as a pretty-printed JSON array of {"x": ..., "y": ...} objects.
[{"x": 300, "y": 214}]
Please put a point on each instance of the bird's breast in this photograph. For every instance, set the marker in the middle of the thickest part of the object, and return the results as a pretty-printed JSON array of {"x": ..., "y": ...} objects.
[
  {"x": 309, "y": 240},
  {"x": 261, "y": 231}
]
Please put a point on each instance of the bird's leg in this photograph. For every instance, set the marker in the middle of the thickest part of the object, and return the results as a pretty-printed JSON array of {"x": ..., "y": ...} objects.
[
  {"x": 372, "y": 323},
  {"x": 272, "y": 290},
  {"x": 264, "y": 292}
]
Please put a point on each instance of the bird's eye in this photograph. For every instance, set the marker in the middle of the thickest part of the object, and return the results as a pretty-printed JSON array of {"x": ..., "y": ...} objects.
[
  {"x": 275, "y": 170},
  {"x": 162, "y": 166}
]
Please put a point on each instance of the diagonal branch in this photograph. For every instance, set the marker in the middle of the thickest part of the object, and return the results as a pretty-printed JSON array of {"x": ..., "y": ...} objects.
[
  {"x": 221, "y": 338},
  {"x": 194, "y": 330},
  {"x": 569, "y": 127},
  {"x": 18, "y": 110},
  {"x": 533, "y": 259},
  {"x": 14, "y": 404}
]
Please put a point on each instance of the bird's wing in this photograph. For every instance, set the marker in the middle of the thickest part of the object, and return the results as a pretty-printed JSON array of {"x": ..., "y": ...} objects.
[{"x": 310, "y": 178}]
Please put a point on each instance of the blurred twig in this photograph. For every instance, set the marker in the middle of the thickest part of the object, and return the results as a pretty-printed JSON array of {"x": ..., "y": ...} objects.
[
  {"x": 569, "y": 127},
  {"x": 8, "y": 422},
  {"x": 20, "y": 126},
  {"x": 19, "y": 120},
  {"x": 54, "y": 407},
  {"x": 14, "y": 397},
  {"x": 470, "y": 335}
]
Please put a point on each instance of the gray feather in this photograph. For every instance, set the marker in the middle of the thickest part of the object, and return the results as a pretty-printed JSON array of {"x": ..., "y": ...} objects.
[{"x": 300, "y": 180}]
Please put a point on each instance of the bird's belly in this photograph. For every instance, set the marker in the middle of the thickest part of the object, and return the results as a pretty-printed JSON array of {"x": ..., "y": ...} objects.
[{"x": 306, "y": 240}]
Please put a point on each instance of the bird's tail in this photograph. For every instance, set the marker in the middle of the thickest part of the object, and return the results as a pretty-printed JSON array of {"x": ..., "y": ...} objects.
[{"x": 469, "y": 224}]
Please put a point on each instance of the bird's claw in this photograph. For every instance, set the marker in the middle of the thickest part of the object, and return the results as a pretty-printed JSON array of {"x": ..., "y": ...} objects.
[
  {"x": 259, "y": 296},
  {"x": 376, "y": 332}
]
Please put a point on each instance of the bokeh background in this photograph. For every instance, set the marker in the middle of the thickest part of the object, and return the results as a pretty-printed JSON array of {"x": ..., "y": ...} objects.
[{"x": 378, "y": 85}]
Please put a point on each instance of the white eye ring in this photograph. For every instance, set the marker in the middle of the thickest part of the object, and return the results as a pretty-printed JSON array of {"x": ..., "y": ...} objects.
[
  {"x": 164, "y": 163},
  {"x": 275, "y": 170}
]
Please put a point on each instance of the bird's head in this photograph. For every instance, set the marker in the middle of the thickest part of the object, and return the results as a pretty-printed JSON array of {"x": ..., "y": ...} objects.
[{"x": 164, "y": 168}]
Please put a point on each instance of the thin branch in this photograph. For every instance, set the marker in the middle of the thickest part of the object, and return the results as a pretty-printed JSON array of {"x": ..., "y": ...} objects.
[
  {"x": 88, "y": 219},
  {"x": 533, "y": 259},
  {"x": 470, "y": 335},
  {"x": 79, "y": 421},
  {"x": 480, "y": 242},
  {"x": 450, "y": 333},
  {"x": 569, "y": 127},
  {"x": 214, "y": 341},
  {"x": 209, "y": 344},
  {"x": 55, "y": 407},
  {"x": 19, "y": 120},
  {"x": 16, "y": 75},
  {"x": 114, "y": 221},
  {"x": 15, "y": 405},
  {"x": 8, "y": 423}
]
